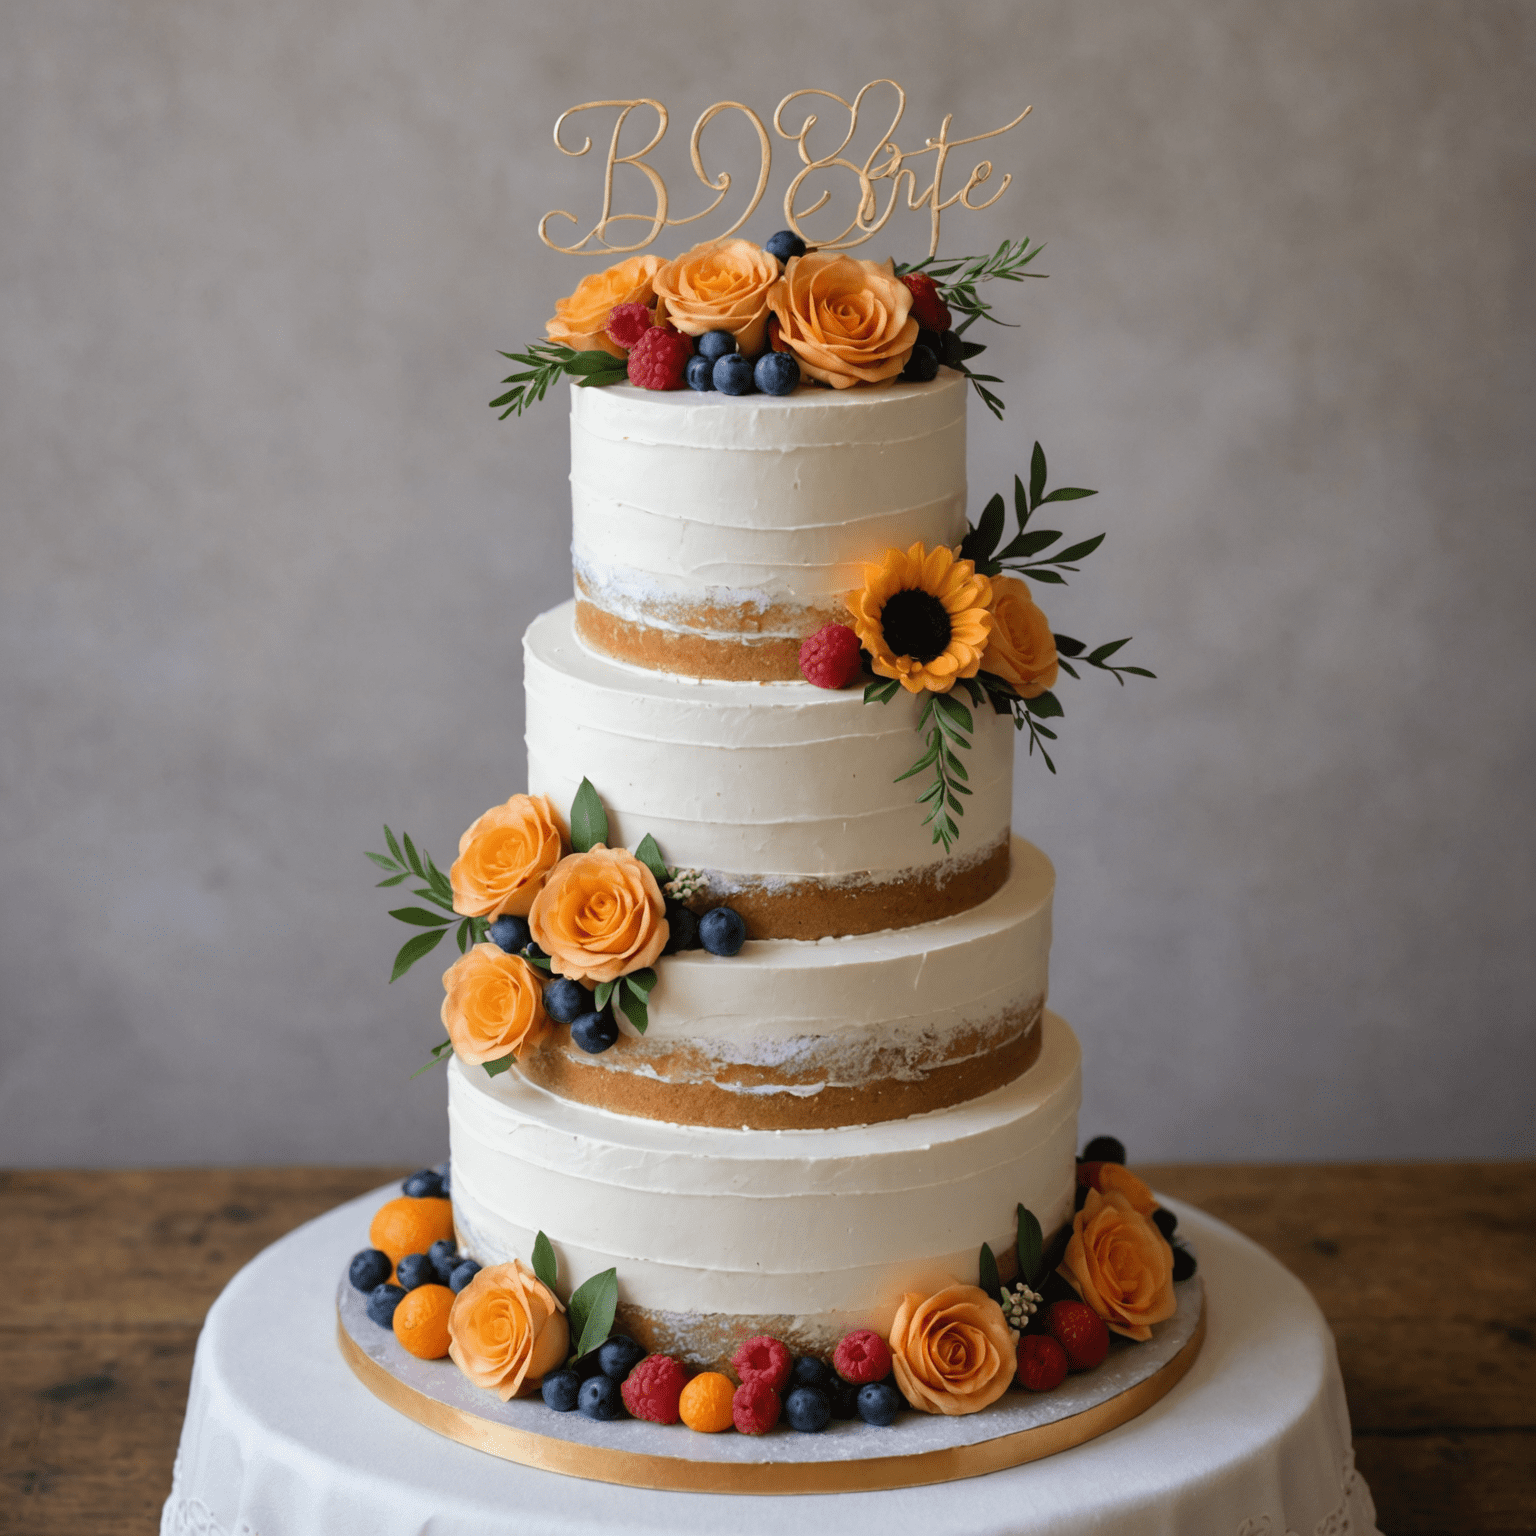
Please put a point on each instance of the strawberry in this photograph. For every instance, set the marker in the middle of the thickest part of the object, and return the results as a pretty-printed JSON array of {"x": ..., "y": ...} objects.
[{"x": 1081, "y": 1333}]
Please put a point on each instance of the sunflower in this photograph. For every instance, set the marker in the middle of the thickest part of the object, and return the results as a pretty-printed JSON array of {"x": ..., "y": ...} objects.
[{"x": 923, "y": 617}]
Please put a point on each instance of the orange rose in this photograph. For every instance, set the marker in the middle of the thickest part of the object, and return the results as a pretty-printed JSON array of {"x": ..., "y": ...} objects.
[
  {"x": 721, "y": 285},
  {"x": 1022, "y": 650},
  {"x": 1105, "y": 1177},
  {"x": 506, "y": 1329},
  {"x": 953, "y": 1352},
  {"x": 580, "y": 317},
  {"x": 504, "y": 857},
  {"x": 1119, "y": 1263},
  {"x": 494, "y": 1005},
  {"x": 847, "y": 321},
  {"x": 600, "y": 915}
]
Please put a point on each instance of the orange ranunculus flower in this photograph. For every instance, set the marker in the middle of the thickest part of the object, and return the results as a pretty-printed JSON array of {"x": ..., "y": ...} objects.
[
  {"x": 1022, "y": 649},
  {"x": 504, "y": 857},
  {"x": 493, "y": 1005},
  {"x": 1105, "y": 1177},
  {"x": 721, "y": 285},
  {"x": 923, "y": 616},
  {"x": 580, "y": 317},
  {"x": 952, "y": 1352},
  {"x": 600, "y": 915},
  {"x": 1120, "y": 1264},
  {"x": 507, "y": 1329},
  {"x": 847, "y": 321}
]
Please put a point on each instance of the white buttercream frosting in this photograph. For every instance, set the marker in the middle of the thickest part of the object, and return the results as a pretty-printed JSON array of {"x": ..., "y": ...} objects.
[
  {"x": 802, "y": 1223},
  {"x": 749, "y": 778},
  {"x": 681, "y": 501}
]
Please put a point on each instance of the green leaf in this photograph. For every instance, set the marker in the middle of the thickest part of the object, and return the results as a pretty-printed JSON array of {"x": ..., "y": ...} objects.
[
  {"x": 951, "y": 707},
  {"x": 1020, "y": 502},
  {"x": 439, "y": 1052},
  {"x": 880, "y": 693},
  {"x": 642, "y": 981},
  {"x": 428, "y": 894},
  {"x": 601, "y": 993},
  {"x": 393, "y": 846},
  {"x": 650, "y": 855},
  {"x": 382, "y": 861},
  {"x": 1078, "y": 551},
  {"x": 635, "y": 1008},
  {"x": 412, "y": 857},
  {"x": 497, "y": 1067},
  {"x": 1036, "y": 476},
  {"x": 404, "y": 874},
  {"x": 1045, "y": 706},
  {"x": 420, "y": 917},
  {"x": 1067, "y": 646},
  {"x": 539, "y": 961},
  {"x": 544, "y": 1265},
  {"x": 956, "y": 767},
  {"x": 1067, "y": 667},
  {"x": 592, "y": 362},
  {"x": 990, "y": 529},
  {"x": 591, "y": 1307},
  {"x": 1139, "y": 672},
  {"x": 925, "y": 761},
  {"x": 589, "y": 821},
  {"x": 1102, "y": 653},
  {"x": 1030, "y": 543},
  {"x": 1039, "y": 573},
  {"x": 463, "y": 936},
  {"x": 990, "y": 1282},
  {"x": 412, "y": 951},
  {"x": 970, "y": 349},
  {"x": 602, "y": 380},
  {"x": 1031, "y": 1246},
  {"x": 1068, "y": 493}
]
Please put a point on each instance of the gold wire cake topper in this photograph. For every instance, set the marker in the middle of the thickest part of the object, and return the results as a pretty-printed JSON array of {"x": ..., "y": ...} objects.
[{"x": 868, "y": 218}]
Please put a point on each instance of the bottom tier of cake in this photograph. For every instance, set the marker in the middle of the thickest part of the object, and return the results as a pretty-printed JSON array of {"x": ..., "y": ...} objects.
[{"x": 718, "y": 1234}]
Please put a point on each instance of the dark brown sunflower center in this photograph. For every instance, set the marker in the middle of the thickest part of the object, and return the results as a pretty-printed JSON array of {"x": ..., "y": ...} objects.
[{"x": 916, "y": 625}]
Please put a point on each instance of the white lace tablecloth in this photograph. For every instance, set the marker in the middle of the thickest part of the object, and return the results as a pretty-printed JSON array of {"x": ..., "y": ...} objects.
[{"x": 281, "y": 1439}]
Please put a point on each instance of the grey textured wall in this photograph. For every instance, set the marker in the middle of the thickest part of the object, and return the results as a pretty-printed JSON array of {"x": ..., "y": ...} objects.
[{"x": 267, "y": 556}]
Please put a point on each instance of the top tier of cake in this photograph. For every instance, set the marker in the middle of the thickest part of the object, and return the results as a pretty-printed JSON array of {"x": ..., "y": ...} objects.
[{"x": 711, "y": 534}]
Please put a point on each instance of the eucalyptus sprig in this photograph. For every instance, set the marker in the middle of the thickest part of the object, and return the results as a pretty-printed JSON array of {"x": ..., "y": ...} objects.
[
  {"x": 402, "y": 862},
  {"x": 543, "y": 364},
  {"x": 949, "y": 727}
]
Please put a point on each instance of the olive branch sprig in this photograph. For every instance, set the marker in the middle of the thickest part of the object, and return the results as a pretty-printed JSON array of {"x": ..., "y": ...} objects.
[
  {"x": 949, "y": 728},
  {"x": 402, "y": 862},
  {"x": 981, "y": 543},
  {"x": 543, "y": 364}
]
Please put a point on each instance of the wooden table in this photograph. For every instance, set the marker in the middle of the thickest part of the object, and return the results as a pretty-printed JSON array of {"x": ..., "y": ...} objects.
[{"x": 1427, "y": 1274}]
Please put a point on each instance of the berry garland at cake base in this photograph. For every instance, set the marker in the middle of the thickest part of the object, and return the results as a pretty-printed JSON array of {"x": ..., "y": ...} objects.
[{"x": 846, "y": 1457}]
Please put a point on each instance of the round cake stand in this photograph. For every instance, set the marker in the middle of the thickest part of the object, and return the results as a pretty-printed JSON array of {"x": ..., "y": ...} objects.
[{"x": 281, "y": 1439}]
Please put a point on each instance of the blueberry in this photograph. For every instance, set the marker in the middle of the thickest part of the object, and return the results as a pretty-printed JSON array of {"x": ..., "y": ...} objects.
[
  {"x": 715, "y": 344},
  {"x": 595, "y": 1032},
  {"x": 416, "y": 1269},
  {"x": 682, "y": 929},
  {"x": 587, "y": 1365},
  {"x": 424, "y": 1184},
  {"x": 785, "y": 244},
  {"x": 950, "y": 349},
  {"x": 921, "y": 366},
  {"x": 1183, "y": 1263},
  {"x": 721, "y": 931},
  {"x": 560, "y": 1389},
  {"x": 930, "y": 339},
  {"x": 565, "y": 1000},
  {"x": 368, "y": 1269},
  {"x": 1080, "y": 1197},
  {"x": 733, "y": 374},
  {"x": 618, "y": 1356},
  {"x": 879, "y": 1403},
  {"x": 807, "y": 1410},
  {"x": 382, "y": 1301},
  {"x": 533, "y": 951},
  {"x": 811, "y": 1372},
  {"x": 1104, "y": 1149},
  {"x": 509, "y": 932},
  {"x": 464, "y": 1271},
  {"x": 599, "y": 1398},
  {"x": 1165, "y": 1222},
  {"x": 700, "y": 373},
  {"x": 844, "y": 1397},
  {"x": 445, "y": 1259},
  {"x": 776, "y": 373}
]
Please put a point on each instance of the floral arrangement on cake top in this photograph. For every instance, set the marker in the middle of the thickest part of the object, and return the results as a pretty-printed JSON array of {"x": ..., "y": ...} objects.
[
  {"x": 739, "y": 318},
  {"x": 1110, "y": 1274},
  {"x": 554, "y": 927}
]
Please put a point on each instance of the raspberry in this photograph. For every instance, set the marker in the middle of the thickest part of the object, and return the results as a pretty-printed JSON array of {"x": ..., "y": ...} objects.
[
  {"x": 1042, "y": 1362},
  {"x": 928, "y": 309},
  {"x": 765, "y": 1360},
  {"x": 755, "y": 1407},
  {"x": 652, "y": 1390},
  {"x": 830, "y": 658},
  {"x": 627, "y": 323},
  {"x": 659, "y": 359},
  {"x": 1081, "y": 1333},
  {"x": 862, "y": 1357}
]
